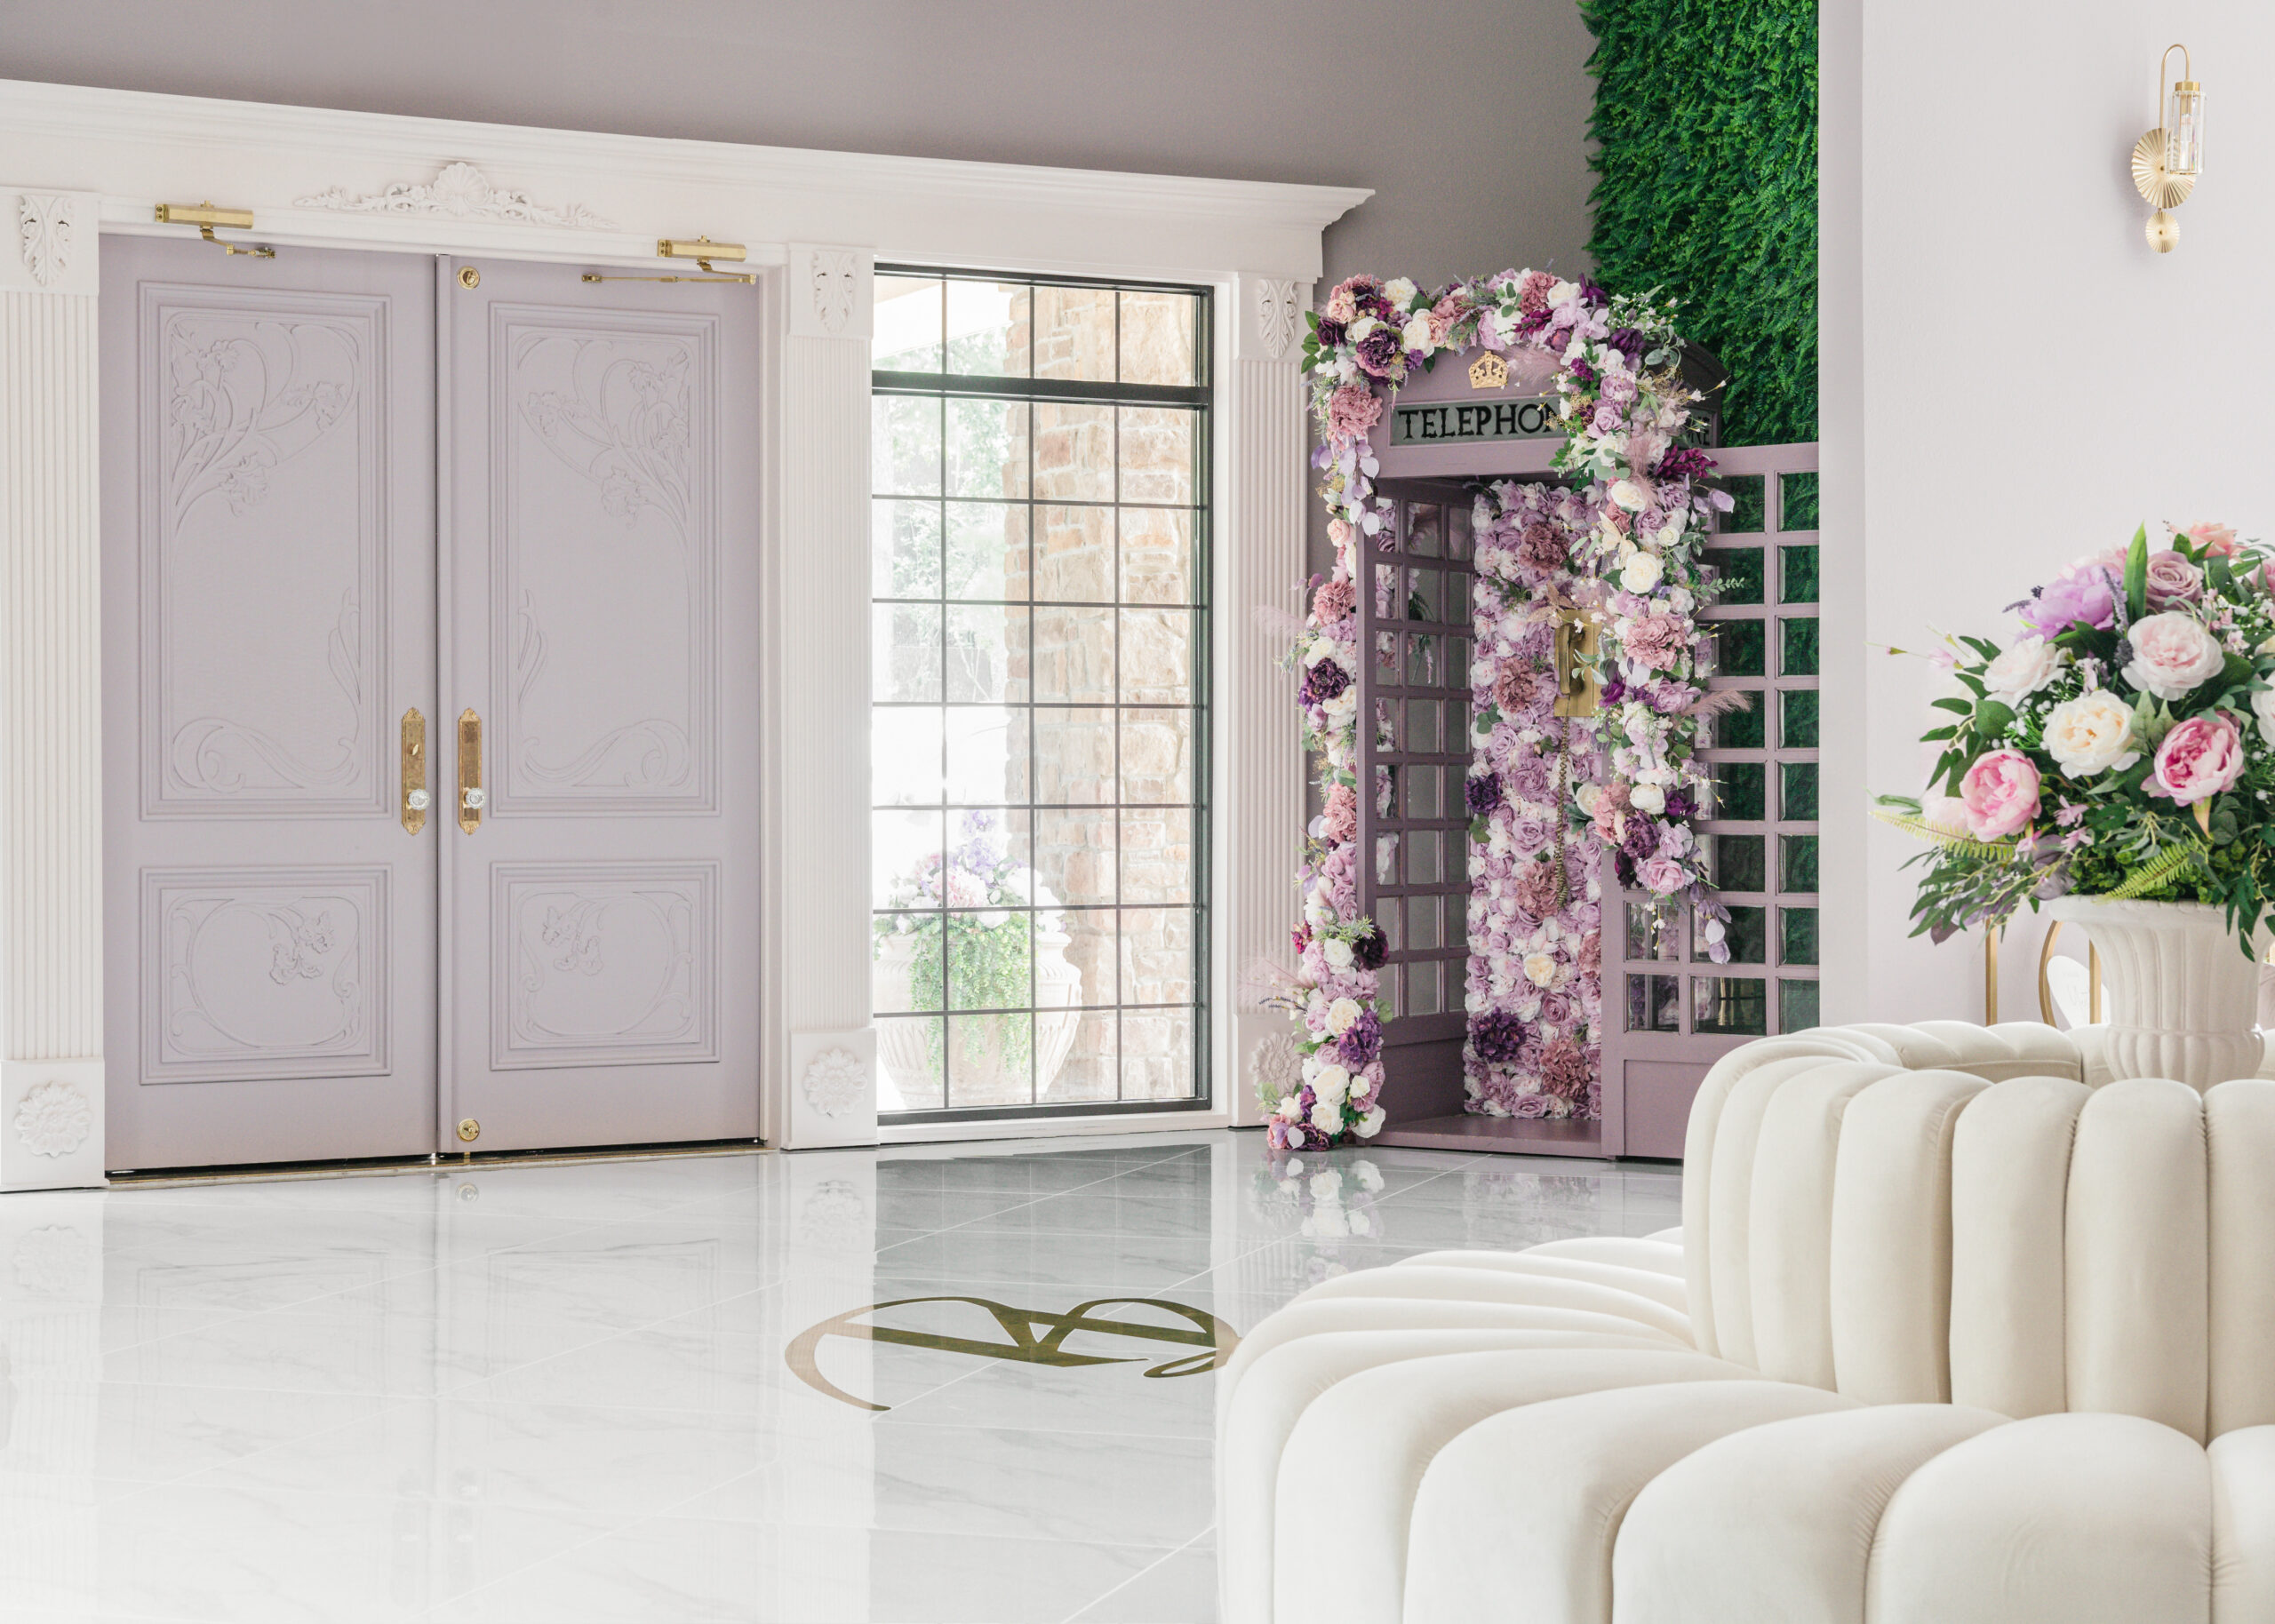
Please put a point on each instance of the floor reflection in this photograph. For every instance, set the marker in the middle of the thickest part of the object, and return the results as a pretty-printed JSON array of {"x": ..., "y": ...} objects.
[{"x": 566, "y": 1393}]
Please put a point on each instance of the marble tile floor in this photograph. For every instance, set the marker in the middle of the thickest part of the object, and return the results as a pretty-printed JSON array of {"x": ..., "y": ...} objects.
[{"x": 561, "y": 1394}]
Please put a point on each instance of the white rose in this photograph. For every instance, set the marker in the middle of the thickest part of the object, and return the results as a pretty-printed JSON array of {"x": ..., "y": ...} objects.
[
  {"x": 1559, "y": 292},
  {"x": 2172, "y": 655},
  {"x": 1370, "y": 1177},
  {"x": 1630, "y": 495},
  {"x": 1290, "y": 1107},
  {"x": 2090, "y": 734},
  {"x": 2030, "y": 666},
  {"x": 1540, "y": 969},
  {"x": 1647, "y": 797},
  {"x": 1341, "y": 1015},
  {"x": 1371, "y": 1124},
  {"x": 1327, "y": 1186},
  {"x": 1332, "y": 1085},
  {"x": 1416, "y": 335},
  {"x": 1641, "y": 572},
  {"x": 1339, "y": 954},
  {"x": 2263, "y": 706},
  {"x": 1360, "y": 327},
  {"x": 1946, "y": 815},
  {"x": 1328, "y": 1119},
  {"x": 1399, "y": 290}
]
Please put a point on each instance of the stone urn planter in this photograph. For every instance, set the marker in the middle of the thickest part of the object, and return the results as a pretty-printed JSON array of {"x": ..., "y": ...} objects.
[
  {"x": 2183, "y": 993},
  {"x": 983, "y": 1073}
]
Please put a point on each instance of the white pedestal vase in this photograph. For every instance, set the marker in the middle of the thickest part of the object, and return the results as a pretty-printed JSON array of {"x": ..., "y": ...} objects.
[
  {"x": 2183, "y": 993},
  {"x": 904, "y": 1048}
]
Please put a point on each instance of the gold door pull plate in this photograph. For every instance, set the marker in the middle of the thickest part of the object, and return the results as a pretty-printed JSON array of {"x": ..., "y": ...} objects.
[
  {"x": 471, "y": 798},
  {"x": 416, "y": 797}
]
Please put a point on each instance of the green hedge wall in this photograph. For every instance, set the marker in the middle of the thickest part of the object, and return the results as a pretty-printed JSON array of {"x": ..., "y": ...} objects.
[{"x": 1705, "y": 122}]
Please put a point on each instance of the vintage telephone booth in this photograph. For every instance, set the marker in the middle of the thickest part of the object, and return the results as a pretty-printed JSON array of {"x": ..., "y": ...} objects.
[{"x": 1668, "y": 1010}]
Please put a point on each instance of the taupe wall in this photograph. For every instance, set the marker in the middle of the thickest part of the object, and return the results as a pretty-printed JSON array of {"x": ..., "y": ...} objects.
[{"x": 1467, "y": 116}]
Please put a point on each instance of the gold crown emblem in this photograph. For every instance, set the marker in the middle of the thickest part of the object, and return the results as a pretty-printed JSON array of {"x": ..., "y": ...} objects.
[{"x": 1488, "y": 371}]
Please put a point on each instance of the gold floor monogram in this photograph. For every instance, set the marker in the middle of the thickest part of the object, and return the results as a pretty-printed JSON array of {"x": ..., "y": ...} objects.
[{"x": 1031, "y": 1337}]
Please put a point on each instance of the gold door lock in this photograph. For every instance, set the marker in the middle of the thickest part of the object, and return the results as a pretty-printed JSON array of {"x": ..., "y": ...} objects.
[
  {"x": 469, "y": 1130},
  {"x": 416, "y": 798},
  {"x": 471, "y": 797},
  {"x": 470, "y": 278}
]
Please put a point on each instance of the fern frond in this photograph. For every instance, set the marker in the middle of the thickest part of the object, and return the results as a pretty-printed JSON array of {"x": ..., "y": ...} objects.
[
  {"x": 2160, "y": 870},
  {"x": 1919, "y": 828}
]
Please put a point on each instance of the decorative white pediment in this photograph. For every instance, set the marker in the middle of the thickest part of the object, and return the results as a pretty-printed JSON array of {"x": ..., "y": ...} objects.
[{"x": 459, "y": 191}]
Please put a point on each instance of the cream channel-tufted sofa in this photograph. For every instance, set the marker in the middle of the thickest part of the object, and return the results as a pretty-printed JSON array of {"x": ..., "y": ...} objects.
[{"x": 1947, "y": 1336}]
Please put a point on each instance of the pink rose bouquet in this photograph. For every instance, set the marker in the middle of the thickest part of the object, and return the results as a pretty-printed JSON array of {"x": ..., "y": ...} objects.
[{"x": 2122, "y": 744}]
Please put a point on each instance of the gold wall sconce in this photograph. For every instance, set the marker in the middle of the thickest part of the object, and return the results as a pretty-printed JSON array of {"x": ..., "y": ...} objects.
[
  {"x": 205, "y": 216},
  {"x": 2167, "y": 159}
]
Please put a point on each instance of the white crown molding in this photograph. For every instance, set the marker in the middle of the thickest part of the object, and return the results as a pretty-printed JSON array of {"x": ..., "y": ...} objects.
[{"x": 138, "y": 148}]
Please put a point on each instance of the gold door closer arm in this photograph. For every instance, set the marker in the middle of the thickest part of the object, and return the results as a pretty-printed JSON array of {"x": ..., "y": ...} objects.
[
  {"x": 703, "y": 251},
  {"x": 205, "y": 216}
]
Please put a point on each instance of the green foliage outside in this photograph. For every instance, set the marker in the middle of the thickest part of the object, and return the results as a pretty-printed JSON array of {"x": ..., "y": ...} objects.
[{"x": 1705, "y": 120}]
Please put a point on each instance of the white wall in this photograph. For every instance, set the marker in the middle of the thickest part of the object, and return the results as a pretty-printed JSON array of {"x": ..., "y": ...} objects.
[{"x": 2012, "y": 378}]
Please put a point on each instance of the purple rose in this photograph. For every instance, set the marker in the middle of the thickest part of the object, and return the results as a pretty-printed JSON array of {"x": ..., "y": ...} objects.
[
  {"x": 1627, "y": 341},
  {"x": 1681, "y": 808},
  {"x": 1642, "y": 838},
  {"x": 1528, "y": 1106},
  {"x": 1498, "y": 1037},
  {"x": 2087, "y": 595},
  {"x": 1379, "y": 353},
  {"x": 1528, "y": 835},
  {"x": 2173, "y": 581},
  {"x": 1555, "y": 1009},
  {"x": 1613, "y": 691},
  {"x": 1330, "y": 333},
  {"x": 1367, "y": 952},
  {"x": 1606, "y": 419},
  {"x": 1324, "y": 680},
  {"x": 1684, "y": 462},
  {"x": 1482, "y": 793},
  {"x": 1364, "y": 1042}
]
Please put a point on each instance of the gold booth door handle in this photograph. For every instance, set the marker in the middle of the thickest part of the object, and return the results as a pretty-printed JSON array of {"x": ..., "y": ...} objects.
[
  {"x": 415, "y": 798},
  {"x": 470, "y": 796}
]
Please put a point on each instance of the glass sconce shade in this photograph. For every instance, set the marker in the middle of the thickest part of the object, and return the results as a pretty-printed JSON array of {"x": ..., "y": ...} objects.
[{"x": 2184, "y": 129}]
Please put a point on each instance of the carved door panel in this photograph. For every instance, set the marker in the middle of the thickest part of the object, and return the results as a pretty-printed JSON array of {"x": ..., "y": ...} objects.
[
  {"x": 268, "y": 605},
  {"x": 601, "y": 956}
]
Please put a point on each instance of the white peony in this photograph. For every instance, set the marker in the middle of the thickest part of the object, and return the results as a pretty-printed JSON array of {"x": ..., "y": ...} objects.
[
  {"x": 1416, "y": 333},
  {"x": 1339, "y": 954},
  {"x": 1946, "y": 815},
  {"x": 1560, "y": 291},
  {"x": 2263, "y": 706},
  {"x": 1399, "y": 290},
  {"x": 1333, "y": 1084},
  {"x": 2172, "y": 655},
  {"x": 2091, "y": 733},
  {"x": 1328, "y": 1119},
  {"x": 1630, "y": 495},
  {"x": 2030, "y": 666},
  {"x": 1647, "y": 797},
  {"x": 1371, "y": 1124},
  {"x": 1540, "y": 969},
  {"x": 1290, "y": 1107},
  {"x": 1641, "y": 572},
  {"x": 1342, "y": 1014}
]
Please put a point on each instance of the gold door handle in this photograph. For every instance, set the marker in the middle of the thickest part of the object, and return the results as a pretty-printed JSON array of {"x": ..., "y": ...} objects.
[
  {"x": 415, "y": 798},
  {"x": 470, "y": 796}
]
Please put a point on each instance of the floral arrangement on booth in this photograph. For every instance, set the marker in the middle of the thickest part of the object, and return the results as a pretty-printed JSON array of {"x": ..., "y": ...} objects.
[
  {"x": 982, "y": 942},
  {"x": 2122, "y": 745},
  {"x": 1632, "y": 542}
]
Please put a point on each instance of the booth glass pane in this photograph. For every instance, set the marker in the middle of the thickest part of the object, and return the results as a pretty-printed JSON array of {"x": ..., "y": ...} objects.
[
  {"x": 1798, "y": 720},
  {"x": 1797, "y": 574},
  {"x": 1746, "y": 935},
  {"x": 1740, "y": 648},
  {"x": 1741, "y": 572},
  {"x": 1745, "y": 516},
  {"x": 1741, "y": 729},
  {"x": 1798, "y": 652},
  {"x": 1796, "y": 1006},
  {"x": 1740, "y": 862},
  {"x": 1654, "y": 1004},
  {"x": 1797, "y": 796},
  {"x": 1654, "y": 931},
  {"x": 1739, "y": 791},
  {"x": 1798, "y": 927},
  {"x": 1797, "y": 501},
  {"x": 1729, "y": 1005},
  {"x": 1797, "y": 862}
]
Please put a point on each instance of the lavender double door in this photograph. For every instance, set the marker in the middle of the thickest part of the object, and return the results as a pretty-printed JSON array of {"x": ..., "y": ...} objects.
[{"x": 340, "y": 488}]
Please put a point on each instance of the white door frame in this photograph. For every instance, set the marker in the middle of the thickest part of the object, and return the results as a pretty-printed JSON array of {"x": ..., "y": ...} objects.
[{"x": 77, "y": 162}]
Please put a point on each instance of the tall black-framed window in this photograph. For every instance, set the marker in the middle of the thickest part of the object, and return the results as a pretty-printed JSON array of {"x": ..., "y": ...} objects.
[{"x": 1040, "y": 693}]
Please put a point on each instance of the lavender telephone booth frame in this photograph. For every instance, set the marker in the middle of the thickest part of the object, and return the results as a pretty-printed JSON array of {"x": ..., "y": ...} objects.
[{"x": 1445, "y": 437}]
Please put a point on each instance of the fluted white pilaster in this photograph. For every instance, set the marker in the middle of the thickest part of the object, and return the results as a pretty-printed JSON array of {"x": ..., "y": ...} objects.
[
  {"x": 817, "y": 850},
  {"x": 50, "y": 692},
  {"x": 1260, "y": 775}
]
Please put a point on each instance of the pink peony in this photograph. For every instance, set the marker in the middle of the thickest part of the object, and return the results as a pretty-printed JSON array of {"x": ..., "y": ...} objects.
[
  {"x": 1661, "y": 876},
  {"x": 1590, "y": 958},
  {"x": 2172, "y": 655},
  {"x": 1564, "y": 1069},
  {"x": 1342, "y": 815},
  {"x": 2200, "y": 758},
  {"x": 1544, "y": 548},
  {"x": 1657, "y": 642},
  {"x": 1352, "y": 411},
  {"x": 2001, "y": 794},
  {"x": 1335, "y": 601},
  {"x": 1518, "y": 686},
  {"x": 1535, "y": 888}
]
